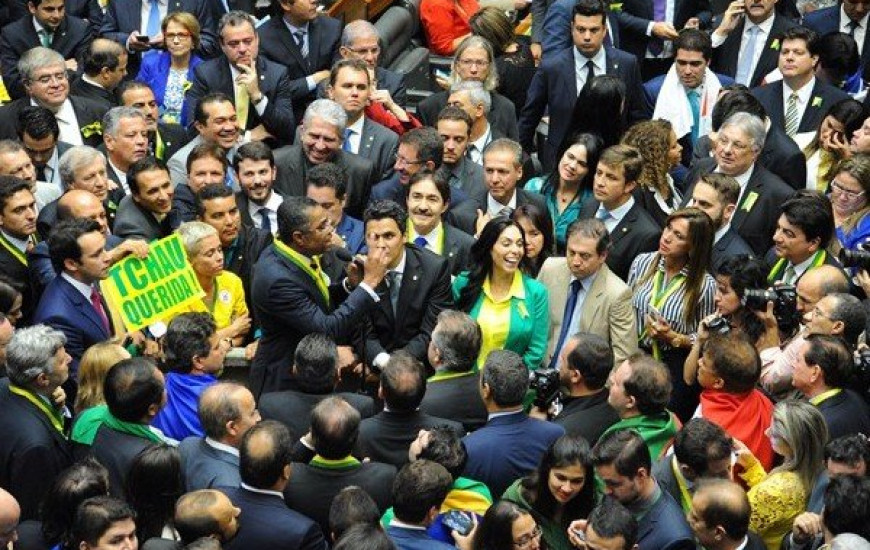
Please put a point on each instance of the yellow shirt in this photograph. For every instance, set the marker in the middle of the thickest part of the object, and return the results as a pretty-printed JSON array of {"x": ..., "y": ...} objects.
[
  {"x": 494, "y": 316},
  {"x": 229, "y": 300},
  {"x": 776, "y": 500}
]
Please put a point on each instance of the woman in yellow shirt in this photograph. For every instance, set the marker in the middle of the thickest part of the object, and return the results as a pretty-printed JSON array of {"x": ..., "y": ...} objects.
[
  {"x": 224, "y": 295},
  {"x": 798, "y": 433}
]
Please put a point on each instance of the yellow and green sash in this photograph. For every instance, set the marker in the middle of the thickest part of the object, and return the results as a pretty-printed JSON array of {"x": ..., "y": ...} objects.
[
  {"x": 817, "y": 400},
  {"x": 54, "y": 415},
  {"x": 780, "y": 266},
  {"x": 658, "y": 297},
  {"x": 302, "y": 264},
  {"x": 19, "y": 255}
]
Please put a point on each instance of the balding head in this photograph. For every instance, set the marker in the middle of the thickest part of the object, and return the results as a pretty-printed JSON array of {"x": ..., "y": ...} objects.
[
  {"x": 818, "y": 282},
  {"x": 227, "y": 411},
  {"x": 264, "y": 456},
  {"x": 77, "y": 203},
  {"x": 334, "y": 428},
  {"x": 720, "y": 510},
  {"x": 206, "y": 513},
  {"x": 10, "y": 513}
]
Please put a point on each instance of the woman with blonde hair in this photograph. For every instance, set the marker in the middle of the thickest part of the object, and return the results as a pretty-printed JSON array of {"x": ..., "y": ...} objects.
[
  {"x": 95, "y": 363},
  {"x": 850, "y": 199},
  {"x": 661, "y": 152}
]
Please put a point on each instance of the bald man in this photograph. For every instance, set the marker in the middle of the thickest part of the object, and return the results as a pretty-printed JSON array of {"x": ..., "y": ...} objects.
[
  {"x": 720, "y": 517},
  {"x": 10, "y": 513},
  {"x": 104, "y": 67},
  {"x": 206, "y": 513}
]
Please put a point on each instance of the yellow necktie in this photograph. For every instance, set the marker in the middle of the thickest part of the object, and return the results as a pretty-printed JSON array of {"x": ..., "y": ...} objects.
[{"x": 243, "y": 102}]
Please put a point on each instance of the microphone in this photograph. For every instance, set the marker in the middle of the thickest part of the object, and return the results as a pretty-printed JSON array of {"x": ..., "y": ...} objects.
[{"x": 343, "y": 255}]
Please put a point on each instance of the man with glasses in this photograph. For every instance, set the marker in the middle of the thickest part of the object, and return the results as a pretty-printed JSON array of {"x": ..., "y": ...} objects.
[
  {"x": 418, "y": 149},
  {"x": 292, "y": 297},
  {"x": 45, "y": 80},
  {"x": 360, "y": 40}
]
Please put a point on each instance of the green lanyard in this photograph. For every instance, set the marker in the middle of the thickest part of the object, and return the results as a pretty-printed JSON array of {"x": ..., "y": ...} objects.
[
  {"x": 13, "y": 249},
  {"x": 658, "y": 297},
  {"x": 53, "y": 414},
  {"x": 779, "y": 267},
  {"x": 300, "y": 262}
]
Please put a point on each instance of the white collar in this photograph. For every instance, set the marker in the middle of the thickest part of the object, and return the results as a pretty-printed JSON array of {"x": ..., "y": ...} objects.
[
  {"x": 493, "y": 205},
  {"x": 400, "y": 267},
  {"x": 20, "y": 244},
  {"x": 743, "y": 544},
  {"x": 66, "y": 113},
  {"x": 764, "y": 26},
  {"x": 586, "y": 282},
  {"x": 272, "y": 203},
  {"x": 85, "y": 289},
  {"x": 742, "y": 178},
  {"x": 800, "y": 268},
  {"x": 247, "y": 487},
  {"x": 483, "y": 140},
  {"x": 844, "y": 19},
  {"x": 803, "y": 94},
  {"x": 293, "y": 28},
  {"x": 431, "y": 236},
  {"x": 721, "y": 232},
  {"x": 620, "y": 212},
  {"x": 217, "y": 445},
  {"x": 599, "y": 59},
  {"x": 92, "y": 82},
  {"x": 490, "y": 416},
  {"x": 402, "y": 525},
  {"x": 358, "y": 125}
]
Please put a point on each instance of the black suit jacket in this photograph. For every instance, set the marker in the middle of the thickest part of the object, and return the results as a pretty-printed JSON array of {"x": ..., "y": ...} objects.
[
  {"x": 96, "y": 94},
  {"x": 71, "y": 40},
  {"x": 33, "y": 452},
  {"x": 215, "y": 76},
  {"x": 378, "y": 144},
  {"x": 252, "y": 243},
  {"x": 278, "y": 45},
  {"x": 464, "y": 216},
  {"x": 394, "y": 83},
  {"x": 731, "y": 244},
  {"x": 17, "y": 272},
  {"x": 424, "y": 292},
  {"x": 310, "y": 480},
  {"x": 821, "y": 99},
  {"x": 293, "y": 165},
  {"x": 502, "y": 113},
  {"x": 87, "y": 112},
  {"x": 636, "y": 233},
  {"x": 725, "y": 56},
  {"x": 457, "y": 398},
  {"x": 174, "y": 137},
  {"x": 635, "y": 16},
  {"x": 116, "y": 451},
  {"x": 293, "y": 408},
  {"x": 134, "y": 222},
  {"x": 757, "y": 224},
  {"x": 387, "y": 436},
  {"x": 270, "y": 525},
  {"x": 457, "y": 247}
]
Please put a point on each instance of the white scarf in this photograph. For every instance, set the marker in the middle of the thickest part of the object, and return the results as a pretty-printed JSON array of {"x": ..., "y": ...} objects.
[{"x": 673, "y": 104}]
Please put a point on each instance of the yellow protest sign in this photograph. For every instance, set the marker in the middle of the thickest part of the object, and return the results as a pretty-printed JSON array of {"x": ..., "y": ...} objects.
[{"x": 145, "y": 291}]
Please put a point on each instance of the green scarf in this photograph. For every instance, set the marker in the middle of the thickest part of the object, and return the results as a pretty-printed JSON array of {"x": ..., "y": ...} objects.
[
  {"x": 85, "y": 429},
  {"x": 657, "y": 430}
]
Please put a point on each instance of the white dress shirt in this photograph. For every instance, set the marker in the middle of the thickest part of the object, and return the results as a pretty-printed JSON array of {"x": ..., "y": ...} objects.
[
  {"x": 803, "y": 98},
  {"x": 70, "y": 129},
  {"x": 493, "y": 207},
  {"x": 860, "y": 30},
  {"x": 272, "y": 204},
  {"x": 760, "y": 42},
  {"x": 599, "y": 62},
  {"x": 145, "y": 13}
]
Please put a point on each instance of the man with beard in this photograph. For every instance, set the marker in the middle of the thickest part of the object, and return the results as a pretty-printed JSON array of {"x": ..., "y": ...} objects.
[
  {"x": 716, "y": 195},
  {"x": 258, "y": 203}
]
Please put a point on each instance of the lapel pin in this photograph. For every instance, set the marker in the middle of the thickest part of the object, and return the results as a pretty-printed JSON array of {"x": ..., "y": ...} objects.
[
  {"x": 414, "y": 278},
  {"x": 625, "y": 230}
]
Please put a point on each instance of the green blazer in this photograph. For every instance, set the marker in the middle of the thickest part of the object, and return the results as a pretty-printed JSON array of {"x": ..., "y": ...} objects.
[{"x": 529, "y": 323}]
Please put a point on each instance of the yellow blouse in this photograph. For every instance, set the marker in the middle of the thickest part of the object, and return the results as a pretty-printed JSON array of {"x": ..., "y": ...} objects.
[
  {"x": 229, "y": 300},
  {"x": 776, "y": 500},
  {"x": 494, "y": 316}
]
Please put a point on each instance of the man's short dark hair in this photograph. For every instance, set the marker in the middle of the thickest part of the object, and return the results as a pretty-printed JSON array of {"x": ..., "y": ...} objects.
[
  {"x": 427, "y": 143},
  {"x": 649, "y": 383},
  {"x": 207, "y": 149},
  {"x": 737, "y": 101},
  {"x": 315, "y": 362},
  {"x": 809, "y": 36},
  {"x": 386, "y": 210},
  {"x": 625, "y": 450},
  {"x": 440, "y": 178},
  {"x": 452, "y": 112},
  {"x": 731, "y": 515},
  {"x": 457, "y": 340},
  {"x": 590, "y": 8},
  {"x": 351, "y": 63},
  {"x": 187, "y": 337},
  {"x": 832, "y": 356},
  {"x": 352, "y": 506},
  {"x": 37, "y": 122},
  {"x": 590, "y": 228},
  {"x": 193, "y": 517},
  {"x": 210, "y": 192},
  {"x": 726, "y": 187},
  {"x": 847, "y": 505},
  {"x": 610, "y": 519},
  {"x": 253, "y": 150},
  {"x": 328, "y": 174},
  {"x": 592, "y": 358},
  {"x": 403, "y": 382},
  {"x": 293, "y": 216},
  {"x": 735, "y": 360},
  {"x": 144, "y": 164},
  {"x": 364, "y": 536},
  {"x": 101, "y": 54},
  {"x": 700, "y": 442},
  {"x": 849, "y": 450},
  {"x": 127, "y": 85},
  {"x": 695, "y": 40},
  {"x": 851, "y": 311},
  {"x": 96, "y": 515},
  {"x": 334, "y": 428},
  {"x": 262, "y": 467},
  {"x": 131, "y": 387},
  {"x": 418, "y": 487},
  {"x": 63, "y": 242},
  {"x": 445, "y": 447},
  {"x": 9, "y": 186},
  {"x": 507, "y": 377},
  {"x": 811, "y": 213},
  {"x": 199, "y": 114}
]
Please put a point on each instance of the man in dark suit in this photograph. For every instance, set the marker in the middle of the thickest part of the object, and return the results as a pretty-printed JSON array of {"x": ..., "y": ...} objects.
[
  {"x": 454, "y": 127},
  {"x": 265, "y": 521},
  {"x": 38, "y": 131},
  {"x": 125, "y": 141},
  {"x": 17, "y": 238},
  {"x": 134, "y": 390},
  {"x": 739, "y": 142},
  {"x": 144, "y": 213},
  {"x": 72, "y": 303},
  {"x": 502, "y": 168},
  {"x": 63, "y": 33},
  {"x": 45, "y": 81},
  {"x": 164, "y": 140},
  {"x": 321, "y": 137},
  {"x": 326, "y": 184},
  {"x": 717, "y": 195},
  {"x": 334, "y": 432},
  {"x": 258, "y": 202},
  {"x": 387, "y": 436},
  {"x": 632, "y": 230},
  {"x": 417, "y": 288},
  {"x": 719, "y": 517},
  {"x": 292, "y": 298},
  {"x": 262, "y": 90},
  {"x": 35, "y": 449},
  {"x": 227, "y": 411},
  {"x": 503, "y": 384},
  {"x": 123, "y": 22},
  {"x": 306, "y": 43},
  {"x": 747, "y": 41},
  {"x": 349, "y": 86},
  {"x": 660, "y": 525},
  {"x": 104, "y": 65},
  {"x": 418, "y": 149},
  {"x": 848, "y": 17},
  {"x": 551, "y": 27},
  {"x": 556, "y": 89},
  {"x": 418, "y": 491},
  {"x": 360, "y": 40},
  {"x": 799, "y": 101},
  {"x": 315, "y": 372},
  {"x": 453, "y": 391}
]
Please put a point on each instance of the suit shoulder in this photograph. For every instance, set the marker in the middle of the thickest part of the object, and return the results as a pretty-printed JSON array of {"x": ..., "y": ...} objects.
[{"x": 329, "y": 23}]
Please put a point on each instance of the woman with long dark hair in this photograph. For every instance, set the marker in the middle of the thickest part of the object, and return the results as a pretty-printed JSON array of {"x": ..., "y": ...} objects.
[
  {"x": 81, "y": 481},
  {"x": 600, "y": 110},
  {"x": 538, "y": 229},
  {"x": 510, "y": 307},
  {"x": 830, "y": 145},
  {"x": 559, "y": 491},
  {"x": 154, "y": 483},
  {"x": 506, "y": 525}
]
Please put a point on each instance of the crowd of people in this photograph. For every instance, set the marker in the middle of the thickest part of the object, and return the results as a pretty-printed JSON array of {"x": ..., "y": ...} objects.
[{"x": 605, "y": 289}]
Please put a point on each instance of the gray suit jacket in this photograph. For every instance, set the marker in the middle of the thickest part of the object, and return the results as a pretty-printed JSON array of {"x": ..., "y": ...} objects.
[
  {"x": 205, "y": 467},
  {"x": 470, "y": 178},
  {"x": 607, "y": 309},
  {"x": 457, "y": 247},
  {"x": 378, "y": 144},
  {"x": 132, "y": 222}
]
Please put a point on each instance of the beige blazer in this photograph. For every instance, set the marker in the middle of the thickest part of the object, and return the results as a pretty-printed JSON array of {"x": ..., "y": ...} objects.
[{"x": 607, "y": 309}]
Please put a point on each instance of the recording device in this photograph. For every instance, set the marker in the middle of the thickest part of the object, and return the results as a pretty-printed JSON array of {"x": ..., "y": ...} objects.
[
  {"x": 142, "y": 38},
  {"x": 458, "y": 521},
  {"x": 718, "y": 325},
  {"x": 855, "y": 258},
  {"x": 784, "y": 298},
  {"x": 546, "y": 384}
]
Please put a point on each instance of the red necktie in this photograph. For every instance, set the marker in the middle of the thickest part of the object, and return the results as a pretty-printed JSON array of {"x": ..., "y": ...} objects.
[{"x": 97, "y": 302}]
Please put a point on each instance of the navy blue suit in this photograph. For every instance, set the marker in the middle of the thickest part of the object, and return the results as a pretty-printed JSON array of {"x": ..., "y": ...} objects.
[
  {"x": 269, "y": 524},
  {"x": 555, "y": 34},
  {"x": 827, "y": 20},
  {"x": 821, "y": 99},
  {"x": 664, "y": 527},
  {"x": 205, "y": 467},
  {"x": 415, "y": 539},
  {"x": 528, "y": 440},
  {"x": 726, "y": 55},
  {"x": 67, "y": 310},
  {"x": 154, "y": 71},
  {"x": 353, "y": 232},
  {"x": 635, "y": 16}
]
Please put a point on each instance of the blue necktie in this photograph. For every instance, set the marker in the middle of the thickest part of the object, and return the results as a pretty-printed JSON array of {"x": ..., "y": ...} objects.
[
  {"x": 421, "y": 242},
  {"x": 267, "y": 223},
  {"x": 153, "y": 28},
  {"x": 346, "y": 145},
  {"x": 567, "y": 316},
  {"x": 744, "y": 64},
  {"x": 695, "y": 104}
]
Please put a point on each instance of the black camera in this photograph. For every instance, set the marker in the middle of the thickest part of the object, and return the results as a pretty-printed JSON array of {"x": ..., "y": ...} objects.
[
  {"x": 784, "y": 298},
  {"x": 546, "y": 384},
  {"x": 855, "y": 258},
  {"x": 718, "y": 326}
]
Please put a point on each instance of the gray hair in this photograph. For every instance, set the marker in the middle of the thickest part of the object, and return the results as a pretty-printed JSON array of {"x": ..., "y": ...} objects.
[
  {"x": 490, "y": 83},
  {"x": 219, "y": 404},
  {"x": 849, "y": 541},
  {"x": 330, "y": 111},
  {"x": 192, "y": 234},
  {"x": 112, "y": 118},
  {"x": 31, "y": 352},
  {"x": 355, "y": 30},
  {"x": 11, "y": 146},
  {"x": 457, "y": 338},
  {"x": 74, "y": 159},
  {"x": 476, "y": 91},
  {"x": 505, "y": 145},
  {"x": 749, "y": 124},
  {"x": 234, "y": 19},
  {"x": 38, "y": 58}
]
